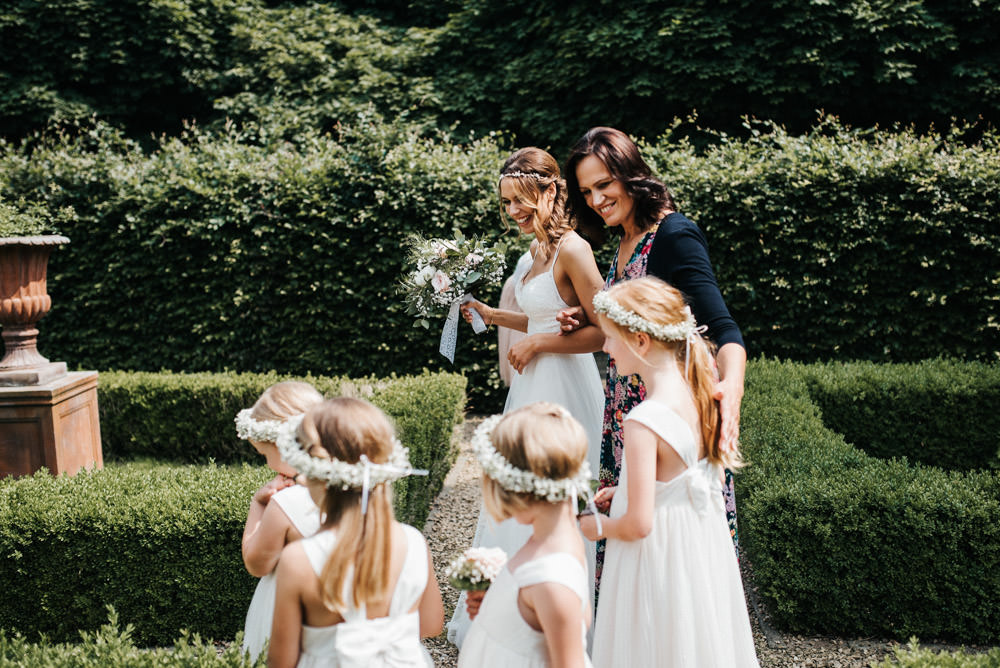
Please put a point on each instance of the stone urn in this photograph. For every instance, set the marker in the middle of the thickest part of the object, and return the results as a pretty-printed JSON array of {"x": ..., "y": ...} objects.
[{"x": 23, "y": 302}]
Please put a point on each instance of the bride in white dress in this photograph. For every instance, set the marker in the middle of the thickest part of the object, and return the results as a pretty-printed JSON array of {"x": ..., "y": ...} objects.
[{"x": 549, "y": 366}]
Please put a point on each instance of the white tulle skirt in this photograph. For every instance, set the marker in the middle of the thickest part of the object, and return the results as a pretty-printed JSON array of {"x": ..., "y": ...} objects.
[{"x": 574, "y": 382}]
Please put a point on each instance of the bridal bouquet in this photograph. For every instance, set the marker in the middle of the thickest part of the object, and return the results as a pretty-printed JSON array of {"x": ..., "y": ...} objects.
[
  {"x": 445, "y": 273},
  {"x": 476, "y": 568}
]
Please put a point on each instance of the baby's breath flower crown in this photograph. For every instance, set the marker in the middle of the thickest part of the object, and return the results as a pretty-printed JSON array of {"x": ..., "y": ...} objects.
[
  {"x": 250, "y": 429},
  {"x": 342, "y": 475},
  {"x": 679, "y": 331},
  {"x": 514, "y": 479}
]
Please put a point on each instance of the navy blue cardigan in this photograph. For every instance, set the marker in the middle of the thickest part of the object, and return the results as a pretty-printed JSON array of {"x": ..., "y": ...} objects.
[{"x": 679, "y": 256}]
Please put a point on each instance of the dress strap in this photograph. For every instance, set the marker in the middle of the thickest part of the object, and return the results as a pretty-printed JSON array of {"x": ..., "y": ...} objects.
[
  {"x": 669, "y": 426},
  {"x": 560, "y": 568}
]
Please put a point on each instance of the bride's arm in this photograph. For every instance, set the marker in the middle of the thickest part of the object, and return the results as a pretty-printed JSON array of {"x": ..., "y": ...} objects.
[{"x": 496, "y": 316}]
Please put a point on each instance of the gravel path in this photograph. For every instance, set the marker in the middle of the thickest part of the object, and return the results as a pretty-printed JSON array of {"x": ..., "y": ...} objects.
[{"x": 452, "y": 522}]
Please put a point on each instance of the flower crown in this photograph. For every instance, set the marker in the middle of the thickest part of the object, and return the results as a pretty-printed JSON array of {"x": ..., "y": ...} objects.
[
  {"x": 679, "y": 331},
  {"x": 526, "y": 175},
  {"x": 343, "y": 475},
  {"x": 250, "y": 429},
  {"x": 514, "y": 479}
]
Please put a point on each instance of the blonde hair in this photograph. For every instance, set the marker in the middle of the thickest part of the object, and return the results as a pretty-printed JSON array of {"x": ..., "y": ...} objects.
[
  {"x": 284, "y": 400},
  {"x": 549, "y": 221},
  {"x": 662, "y": 304},
  {"x": 542, "y": 438},
  {"x": 347, "y": 428}
]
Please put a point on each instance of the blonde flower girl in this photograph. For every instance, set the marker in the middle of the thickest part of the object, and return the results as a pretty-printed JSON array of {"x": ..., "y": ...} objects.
[
  {"x": 281, "y": 511},
  {"x": 671, "y": 593},
  {"x": 361, "y": 592},
  {"x": 537, "y": 610}
]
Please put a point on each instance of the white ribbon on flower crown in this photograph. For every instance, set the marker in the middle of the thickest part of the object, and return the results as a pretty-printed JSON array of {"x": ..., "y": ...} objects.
[
  {"x": 366, "y": 474},
  {"x": 449, "y": 335},
  {"x": 693, "y": 335}
]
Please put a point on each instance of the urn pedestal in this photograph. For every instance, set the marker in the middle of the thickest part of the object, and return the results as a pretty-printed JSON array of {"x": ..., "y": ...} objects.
[{"x": 48, "y": 417}]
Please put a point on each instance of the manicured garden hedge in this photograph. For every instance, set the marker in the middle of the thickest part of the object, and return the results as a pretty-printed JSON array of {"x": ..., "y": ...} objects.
[
  {"x": 241, "y": 251},
  {"x": 845, "y": 543},
  {"x": 189, "y": 418},
  {"x": 161, "y": 541}
]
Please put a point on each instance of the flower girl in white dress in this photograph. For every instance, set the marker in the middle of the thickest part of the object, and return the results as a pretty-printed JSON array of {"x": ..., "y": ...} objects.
[
  {"x": 361, "y": 592},
  {"x": 671, "y": 593},
  {"x": 536, "y": 612},
  {"x": 281, "y": 511}
]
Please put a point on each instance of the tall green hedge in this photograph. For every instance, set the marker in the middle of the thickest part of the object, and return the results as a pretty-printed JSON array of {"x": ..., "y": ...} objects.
[
  {"x": 850, "y": 244},
  {"x": 238, "y": 250},
  {"x": 842, "y": 542}
]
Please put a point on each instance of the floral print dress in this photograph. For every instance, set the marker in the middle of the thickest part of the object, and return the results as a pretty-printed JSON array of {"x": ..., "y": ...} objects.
[{"x": 623, "y": 393}]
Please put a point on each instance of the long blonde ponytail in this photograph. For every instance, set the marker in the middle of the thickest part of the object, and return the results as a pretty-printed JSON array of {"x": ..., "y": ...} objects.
[{"x": 361, "y": 557}]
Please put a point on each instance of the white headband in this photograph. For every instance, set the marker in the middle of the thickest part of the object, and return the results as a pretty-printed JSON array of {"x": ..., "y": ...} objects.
[{"x": 364, "y": 474}]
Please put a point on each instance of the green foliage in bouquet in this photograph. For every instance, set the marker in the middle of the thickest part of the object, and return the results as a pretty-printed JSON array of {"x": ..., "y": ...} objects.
[
  {"x": 446, "y": 269},
  {"x": 842, "y": 542}
]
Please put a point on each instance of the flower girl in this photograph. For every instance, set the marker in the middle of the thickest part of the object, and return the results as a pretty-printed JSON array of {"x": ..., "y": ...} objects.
[
  {"x": 281, "y": 511},
  {"x": 361, "y": 592},
  {"x": 671, "y": 593},
  {"x": 537, "y": 610}
]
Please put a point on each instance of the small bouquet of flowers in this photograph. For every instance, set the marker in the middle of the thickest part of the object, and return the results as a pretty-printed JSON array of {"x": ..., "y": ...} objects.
[
  {"x": 445, "y": 274},
  {"x": 476, "y": 568}
]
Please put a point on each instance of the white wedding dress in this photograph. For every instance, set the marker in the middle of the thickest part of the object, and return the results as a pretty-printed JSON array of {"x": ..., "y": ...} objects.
[
  {"x": 568, "y": 379},
  {"x": 675, "y": 597}
]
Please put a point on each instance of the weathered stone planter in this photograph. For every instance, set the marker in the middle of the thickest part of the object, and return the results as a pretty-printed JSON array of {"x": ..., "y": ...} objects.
[
  {"x": 24, "y": 301},
  {"x": 48, "y": 417}
]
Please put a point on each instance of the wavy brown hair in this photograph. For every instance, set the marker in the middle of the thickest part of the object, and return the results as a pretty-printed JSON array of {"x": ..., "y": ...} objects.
[
  {"x": 549, "y": 221},
  {"x": 344, "y": 429},
  {"x": 621, "y": 156}
]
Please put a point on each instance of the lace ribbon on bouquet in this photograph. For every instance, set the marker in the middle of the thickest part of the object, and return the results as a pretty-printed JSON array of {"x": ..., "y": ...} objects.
[{"x": 449, "y": 335}]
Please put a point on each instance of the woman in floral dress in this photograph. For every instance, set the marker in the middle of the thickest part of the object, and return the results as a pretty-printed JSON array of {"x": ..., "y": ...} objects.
[{"x": 610, "y": 185}]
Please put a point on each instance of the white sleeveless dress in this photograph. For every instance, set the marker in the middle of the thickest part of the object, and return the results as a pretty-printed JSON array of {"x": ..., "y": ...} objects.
[
  {"x": 568, "y": 379},
  {"x": 359, "y": 642},
  {"x": 298, "y": 506},
  {"x": 675, "y": 597},
  {"x": 499, "y": 637}
]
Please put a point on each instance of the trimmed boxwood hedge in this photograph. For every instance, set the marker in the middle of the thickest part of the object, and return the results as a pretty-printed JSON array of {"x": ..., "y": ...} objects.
[
  {"x": 189, "y": 418},
  {"x": 161, "y": 541},
  {"x": 915, "y": 656},
  {"x": 846, "y": 543}
]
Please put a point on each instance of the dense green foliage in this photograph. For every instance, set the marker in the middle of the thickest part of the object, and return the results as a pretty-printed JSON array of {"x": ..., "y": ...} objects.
[
  {"x": 915, "y": 656},
  {"x": 846, "y": 543},
  {"x": 847, "y": 244},
  {"x": 188, "y": 418},
  {"x": 21, "y": 219},
  {"x": 543, "y": 70},
  {"x": 548, "y": 71},
  {"x": 150, "y": 65},
  {"x": 114, "y": 647}
]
